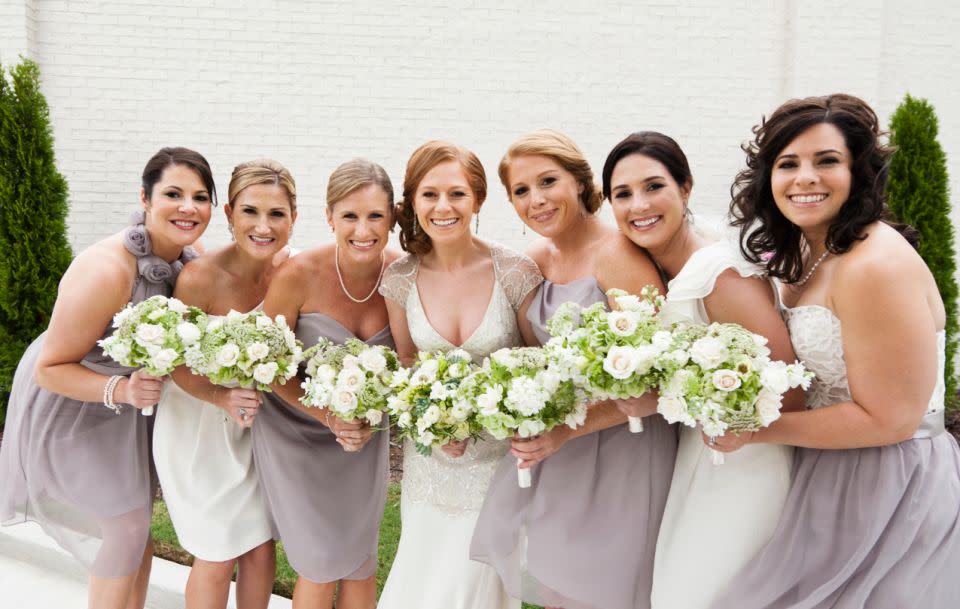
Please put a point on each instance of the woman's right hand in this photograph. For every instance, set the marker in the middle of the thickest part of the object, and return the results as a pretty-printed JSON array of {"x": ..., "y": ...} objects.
[
  {"x": 240, "y": 404},
  {"x": 140, "y": 390},
  {"x": 351, "y": 435},
  {"x": 455, "y": 448}
]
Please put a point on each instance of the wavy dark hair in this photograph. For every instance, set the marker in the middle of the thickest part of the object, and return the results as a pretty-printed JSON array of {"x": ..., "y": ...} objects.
[
  {"x": 766, "y": 235},
  {"x": 177, "y": 155},
  {"x": 653, "y": 144}
]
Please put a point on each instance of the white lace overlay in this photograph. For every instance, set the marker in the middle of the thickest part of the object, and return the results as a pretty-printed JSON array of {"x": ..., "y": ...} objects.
[
  {"x": 458, "y": 485},
  {"x": 818, "y": 343}
]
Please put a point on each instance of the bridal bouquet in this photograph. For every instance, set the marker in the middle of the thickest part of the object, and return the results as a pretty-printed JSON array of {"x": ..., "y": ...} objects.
[
  {"x": 616, "y": 349},
  {"x": 524, "y": 391},
  {"x": 426, "y": 405},
  {"x": 154, "y": 335},
  {"x": 721, "y": 377},
  {"x": 352, "y": 380},
  {"x": 246, "y": 350}
]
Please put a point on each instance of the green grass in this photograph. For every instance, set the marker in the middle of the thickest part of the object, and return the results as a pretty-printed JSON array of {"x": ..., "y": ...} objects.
[{"x": 167, "y": 546}]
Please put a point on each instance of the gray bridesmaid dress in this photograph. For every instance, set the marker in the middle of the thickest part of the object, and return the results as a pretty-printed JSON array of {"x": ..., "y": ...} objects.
[
  {"x": 78, "y": 469},
  {"x": 866, "y": 528},
  {"x": 583, "y": 535},
  {"x": 325, "y": 503}
]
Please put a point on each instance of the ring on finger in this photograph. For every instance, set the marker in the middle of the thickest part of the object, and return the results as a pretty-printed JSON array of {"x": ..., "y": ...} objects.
[{"x": 243, "y": 413}]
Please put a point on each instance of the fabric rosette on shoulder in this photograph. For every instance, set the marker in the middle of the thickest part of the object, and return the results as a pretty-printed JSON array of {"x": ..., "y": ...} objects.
[{"x": 154, "y": 335}]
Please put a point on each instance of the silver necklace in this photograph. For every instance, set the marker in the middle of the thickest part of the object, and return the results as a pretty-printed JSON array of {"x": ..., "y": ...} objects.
[
  {"x": 344, "y": 287},
  {"x": 813, "y": 268}
]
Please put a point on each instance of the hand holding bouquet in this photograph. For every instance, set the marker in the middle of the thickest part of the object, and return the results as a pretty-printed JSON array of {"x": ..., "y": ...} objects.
[
  {"x": 721, "y": 377},
  {"x": 426, "y": 406},
  {"x": 524, "y": 391},
  {"x": 249, "y": 350},
  {"x": 154, "y": 335},
  {"x": 616, "y": 349},
  {"x": 352, "y": 380}
]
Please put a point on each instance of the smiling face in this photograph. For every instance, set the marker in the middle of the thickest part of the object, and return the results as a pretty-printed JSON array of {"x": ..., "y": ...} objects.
[
  {"x": 178, "y": 208},
  {"x": 544, "y": 194},
  {"x": 262, "y": 219},
  {"x": 649, "y": 205},
  {"x": 444, "y": 203},
  {"x": 811, "y": 178},
  {"x": 361, "y": 223}
]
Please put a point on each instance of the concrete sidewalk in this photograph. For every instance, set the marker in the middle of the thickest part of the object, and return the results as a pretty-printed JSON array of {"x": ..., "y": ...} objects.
[{"x": 35, "y": 573}]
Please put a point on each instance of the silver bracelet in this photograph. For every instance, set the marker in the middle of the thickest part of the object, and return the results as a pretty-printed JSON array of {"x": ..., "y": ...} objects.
[{"x": 108, "y": 393}]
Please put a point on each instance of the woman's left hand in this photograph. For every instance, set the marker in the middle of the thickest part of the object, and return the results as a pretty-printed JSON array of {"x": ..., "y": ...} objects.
[
  {"x": 729, "y": 442},
  {"x": 533, "y": 450}
]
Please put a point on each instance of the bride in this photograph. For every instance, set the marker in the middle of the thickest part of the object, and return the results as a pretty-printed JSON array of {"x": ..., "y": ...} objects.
[{"x": 451, "y": 291}]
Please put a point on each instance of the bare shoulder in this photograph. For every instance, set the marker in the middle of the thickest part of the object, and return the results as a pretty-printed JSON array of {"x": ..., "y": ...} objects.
[
  {"x": 732, "y": 289},
  {"x": 391, "y": 254},
  {"x": 620, "y": 263},
  {"x": 106, "y": 262},
  {"x": 539, "y": 252},
  {"x": 883, "y": 260},
  {"x": 306, "y": 264}
]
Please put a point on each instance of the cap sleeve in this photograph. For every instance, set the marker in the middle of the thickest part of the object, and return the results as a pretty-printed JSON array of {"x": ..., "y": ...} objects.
[
  {"x": 398, "y": 279},
  {"x": 517, "y": 273}
]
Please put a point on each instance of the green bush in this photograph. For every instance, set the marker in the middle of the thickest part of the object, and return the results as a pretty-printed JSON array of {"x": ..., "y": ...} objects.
[
  {"x": 918, "y": 195},
  {"x": 33, "y": 211}
]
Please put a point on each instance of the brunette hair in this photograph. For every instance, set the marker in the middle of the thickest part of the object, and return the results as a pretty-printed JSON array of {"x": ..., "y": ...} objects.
[
  {"x": 563, "y": 150},
  {"x": 262, "y": 171},
  {"x": 765, "y": 233},
  {"x": 413, "y": 238},
  {"x": 657, "y": 146},
  {"x": 168, "y": 157}
]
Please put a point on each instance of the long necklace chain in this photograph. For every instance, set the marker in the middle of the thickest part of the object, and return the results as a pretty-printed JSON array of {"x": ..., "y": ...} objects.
[
  {"x": 813, "y": 268},
  {"x": 344, "y": 287}
]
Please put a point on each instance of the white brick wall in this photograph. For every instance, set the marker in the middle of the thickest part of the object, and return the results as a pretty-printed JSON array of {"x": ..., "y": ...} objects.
[{"x": 316, "y": 83}]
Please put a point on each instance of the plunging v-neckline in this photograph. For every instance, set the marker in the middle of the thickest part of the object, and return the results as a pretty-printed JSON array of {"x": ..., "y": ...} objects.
[{"x": 483, "y": 320}]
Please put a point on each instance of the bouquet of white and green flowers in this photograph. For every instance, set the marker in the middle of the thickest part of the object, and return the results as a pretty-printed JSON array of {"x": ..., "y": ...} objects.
[
  {"x": 245, "y": 350},
  {"x": 426, "y": 405},
  {"x": 721, "y": 378},
  {"x": 524, "y": 391},
  {"x": 352, "y": 380},
  {"x": 155, "y": 335},
  {"x": 616, "y": 350}
]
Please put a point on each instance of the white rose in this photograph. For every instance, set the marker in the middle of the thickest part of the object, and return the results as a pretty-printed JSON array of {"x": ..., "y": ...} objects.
[
  {"x": 708, "y": 352},
  {"x": 673, "y": 408},
  {"x": 344, "y": 401},
  {"x": 438, "y": 391},
  {"x": 351, "y": 379},
  {"x": 621, "y": 362},
  {"x": 257, "y": 351},
  {"x": 528, "y": 428},
  {"x": 263, "y": 321},
  {"x": 374, "y": 417},
  {"x": 775, "y": 378},
  {"x": 237, "y": 316},
  {"x": 426, "y": 438},
  {"x": 662, "y": 341},
  {"x": 679, "y": 357},
  {"x": 155, "y": 314},
  {"x": 768, "y": 406},
  {"x": 164, "y": 359},
  {"x": 189, "y": 333},
  {"x": 404, "y": 420},
  {"x": 628, "y": 302},
  {"x": 265, "y": 373},
  {"x": 176, "y": 305},
  {"x": 325, "y": 373},
  {"x": 214, "y": 323},
  {"x": 148, "y": 334},
  {"x": 228, "y": 355},
  {"x": 426, "y": 373},
  {"x": 351, "y": 361},
  {"x": 373, "y": 360},
  {"x": 622, "y": 323},
  {"x": 726, "y": 380},
  {"x": 431, "y": 415}
]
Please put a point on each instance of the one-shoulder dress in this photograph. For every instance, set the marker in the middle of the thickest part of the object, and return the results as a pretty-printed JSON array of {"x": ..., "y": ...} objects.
[
  {"x": 582, "y": 536},
  {"x": 325, "y": 503},
  {"x": 78, "y": 469},
  {"x": 441, "y": 495}
]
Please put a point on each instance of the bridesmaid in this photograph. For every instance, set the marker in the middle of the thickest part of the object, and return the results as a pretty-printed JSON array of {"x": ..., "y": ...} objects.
[
  {"x": 325, "y": 480},
  {"x": 590, "y": 501},
  {"x": 873, "y": 514},
  {"x": 75, "y": 455},
  {"x": 205, "y": 459},
  {"x": 647, "y": 179}
]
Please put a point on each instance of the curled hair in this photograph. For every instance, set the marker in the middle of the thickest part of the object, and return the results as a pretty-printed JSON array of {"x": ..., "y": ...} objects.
[
  {"x": 659, "y": 147},
  {"x": 413, "y": 238},
  {"x": 168, "y": 157},
  {"x": 563, "y": 150},
  {"x": 262, "y": 171},
  {"x": 765, "y": 233}
]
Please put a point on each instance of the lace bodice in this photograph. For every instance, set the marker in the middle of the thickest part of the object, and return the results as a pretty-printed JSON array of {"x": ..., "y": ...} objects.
[
  {"x": 458, "y": 485},
  {"x": 818, "y": 343}
]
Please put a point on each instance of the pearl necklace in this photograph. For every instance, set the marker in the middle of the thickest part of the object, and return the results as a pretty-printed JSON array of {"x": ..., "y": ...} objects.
[
  {"x": 344, "y": 287},
  {"x": 813, "y": 268}
]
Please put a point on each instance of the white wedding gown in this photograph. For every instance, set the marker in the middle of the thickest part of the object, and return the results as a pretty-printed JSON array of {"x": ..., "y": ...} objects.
[
  {"x": 441, "y": 496},
  {"x": 717, "y": 516}
]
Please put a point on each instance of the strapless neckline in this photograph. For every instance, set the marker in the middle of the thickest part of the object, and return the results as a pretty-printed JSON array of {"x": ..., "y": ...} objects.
[{"x": 377, "y": 334}]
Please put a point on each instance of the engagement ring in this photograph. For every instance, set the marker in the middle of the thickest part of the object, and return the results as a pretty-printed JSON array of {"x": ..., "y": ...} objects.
[{"x": 243, "y": 413}]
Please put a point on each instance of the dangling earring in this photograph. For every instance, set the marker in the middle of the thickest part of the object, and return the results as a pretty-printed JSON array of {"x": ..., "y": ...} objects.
[
  {"x": 476, "y": 224},
  {"x": 524, "y": 228},
  {"x": 230, "y": 228},
  {"x": 414, "y": 229}
]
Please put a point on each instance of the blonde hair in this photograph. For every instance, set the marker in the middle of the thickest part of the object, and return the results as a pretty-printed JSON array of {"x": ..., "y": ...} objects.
[
  {"x": 423, "y": 159},
  {"x": 354, "y": 174},
  {"x": 262, "y": 171},
  {"x": 563, "y": 150}
]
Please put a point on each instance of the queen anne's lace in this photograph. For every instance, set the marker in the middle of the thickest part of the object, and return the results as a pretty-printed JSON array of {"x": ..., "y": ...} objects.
[{"x": 818, "y": 343}]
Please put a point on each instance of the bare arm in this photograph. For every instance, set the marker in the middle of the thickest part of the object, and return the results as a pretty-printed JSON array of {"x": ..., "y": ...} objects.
[{"x": 406, "y": 348}]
